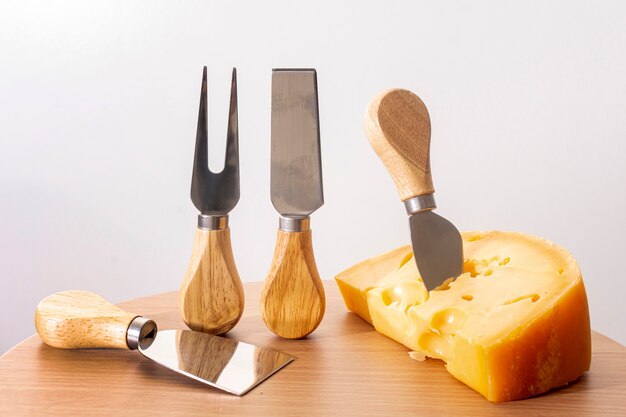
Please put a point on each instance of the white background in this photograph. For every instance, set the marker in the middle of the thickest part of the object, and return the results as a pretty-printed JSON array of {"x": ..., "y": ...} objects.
[{"x": 98, "y": 107}]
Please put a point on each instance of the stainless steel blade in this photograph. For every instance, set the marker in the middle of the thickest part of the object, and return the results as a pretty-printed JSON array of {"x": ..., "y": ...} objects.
[
  {"x": 437, "y": 247},
  {"x": 296, "y": 165},
  {"x": 226, "y": 364},
  {"x": 216, "y": 193}
]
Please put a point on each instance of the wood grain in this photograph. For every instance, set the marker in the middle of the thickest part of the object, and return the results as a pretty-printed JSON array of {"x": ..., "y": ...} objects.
[
  {"x": 344, "y": 368},
  {"x": 211, "y": 297},
  {"x": 397, "y": 125},
  {"x": 293, "y": 300},
  {"x": 81, "y": 319}
]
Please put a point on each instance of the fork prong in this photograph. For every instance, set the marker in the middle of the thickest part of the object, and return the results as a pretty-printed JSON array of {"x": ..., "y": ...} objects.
[
  {"x": 216, "y": 193},
  {"x": 231, "y": 162},
  {"x": 200, "y": 157}
]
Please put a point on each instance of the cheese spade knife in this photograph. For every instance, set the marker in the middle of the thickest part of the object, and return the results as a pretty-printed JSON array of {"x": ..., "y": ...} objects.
[
  {"x": 398, "y": 128},
  {"x": 83, "y": 319},
  {"x": 293, "y": 300}
]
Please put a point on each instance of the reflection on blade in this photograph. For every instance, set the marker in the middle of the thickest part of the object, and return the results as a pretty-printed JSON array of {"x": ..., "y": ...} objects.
[{"x": 232, "y": 366}]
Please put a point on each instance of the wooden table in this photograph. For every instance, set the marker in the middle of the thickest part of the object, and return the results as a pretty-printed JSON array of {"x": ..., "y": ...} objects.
[{"x": 344, "y": 369}]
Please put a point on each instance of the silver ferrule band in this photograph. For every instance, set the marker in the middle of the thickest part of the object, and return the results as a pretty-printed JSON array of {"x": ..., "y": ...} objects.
[
  {"x": 420, "y": 203},
  {"x": 212, "y": 221},
  {"x": 294, "y": 224},
  {"x": 141, "y": 331}
]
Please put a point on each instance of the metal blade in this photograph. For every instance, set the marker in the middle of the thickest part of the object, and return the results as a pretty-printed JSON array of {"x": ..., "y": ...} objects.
[
  {"x": 296, "y": 172},
  {"x": 226, "y": 364},
  {"x": 437, "y": 248},
  {"x": 216, "y": 192}
]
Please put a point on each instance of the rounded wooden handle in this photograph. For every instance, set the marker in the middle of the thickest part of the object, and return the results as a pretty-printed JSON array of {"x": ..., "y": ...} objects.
[
  {"x": 81, "y": 319},
  {"x": 292, "y": 299},
  {"x": 397, "y": 125},
  {"x": 211, "y": 298}
]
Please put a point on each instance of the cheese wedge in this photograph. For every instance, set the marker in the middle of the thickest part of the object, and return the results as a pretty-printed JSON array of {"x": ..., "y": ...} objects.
[{"x": 513, "y": 325}]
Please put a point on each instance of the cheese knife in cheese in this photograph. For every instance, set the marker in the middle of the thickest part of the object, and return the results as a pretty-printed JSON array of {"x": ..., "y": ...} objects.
[
  {"x": 83, "y": 319},
  {"x": 292, "y": 300},
  {"x": 398, "y": 127}
]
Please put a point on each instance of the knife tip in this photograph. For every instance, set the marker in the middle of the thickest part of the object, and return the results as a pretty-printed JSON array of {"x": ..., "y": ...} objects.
[{"x": 294, "y": 70}]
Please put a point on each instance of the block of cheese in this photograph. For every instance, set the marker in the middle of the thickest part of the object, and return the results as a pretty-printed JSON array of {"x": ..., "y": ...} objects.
[{"x": 513, "y": 325}]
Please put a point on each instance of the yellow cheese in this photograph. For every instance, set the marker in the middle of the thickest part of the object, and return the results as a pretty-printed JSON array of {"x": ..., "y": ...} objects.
[
  {"x": 513, "y": 325},
  {"x": 367, "y": 275}
]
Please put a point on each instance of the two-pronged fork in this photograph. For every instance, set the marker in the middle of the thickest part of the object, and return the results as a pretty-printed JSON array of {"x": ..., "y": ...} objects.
[{"x": 211, "y": 298}]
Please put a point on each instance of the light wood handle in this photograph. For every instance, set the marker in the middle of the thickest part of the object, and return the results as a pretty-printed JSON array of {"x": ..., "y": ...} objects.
[
  {"x": 81, "y": 319},
  {"x": 397, "y": 125},
  {"x": 292, "y": 299},
  {"x": 211, "y": 297}
]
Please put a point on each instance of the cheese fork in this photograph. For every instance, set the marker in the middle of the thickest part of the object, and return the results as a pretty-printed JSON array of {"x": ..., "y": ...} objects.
[{"x": 211, "y": 297}]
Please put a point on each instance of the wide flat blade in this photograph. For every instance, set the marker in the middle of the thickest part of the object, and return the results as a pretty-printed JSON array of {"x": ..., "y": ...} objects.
[
  {"x": 232, "y": 366},
  {"x": 437, "y": 248},
  {"x": 296, "y": 165}
]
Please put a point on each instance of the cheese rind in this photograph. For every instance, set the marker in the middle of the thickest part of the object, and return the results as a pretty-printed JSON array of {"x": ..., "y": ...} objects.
[{"x": 513, "y": 325}]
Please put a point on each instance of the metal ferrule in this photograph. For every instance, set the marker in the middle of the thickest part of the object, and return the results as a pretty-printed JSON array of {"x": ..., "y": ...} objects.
[
  {"x": 294, "y": 224},
  {"x": 141, "y": 332},
  {"x": 212, "y": 221},
  {"x": 420, "y": 203}
]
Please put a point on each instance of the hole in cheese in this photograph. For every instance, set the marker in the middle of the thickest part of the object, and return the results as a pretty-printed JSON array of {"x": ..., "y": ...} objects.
[
  {"x": 444, "y": 285},
  {"x": 469, "y": 265},
  {"x": 436, "y": 345},
  {"x": 400, "y": 293},
  {"x": 467, "y": 297},
  {"x": 533, "y": 298},
  {"x": 448, "y": 321}
]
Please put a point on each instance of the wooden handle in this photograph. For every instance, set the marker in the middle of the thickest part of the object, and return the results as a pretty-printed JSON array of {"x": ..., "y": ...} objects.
[
  {"x": 292, "y": 299},
  {"x": 81, "y": 319},
  {"x": 211, "y": 298},
  {"x": 398, "y": 127}
]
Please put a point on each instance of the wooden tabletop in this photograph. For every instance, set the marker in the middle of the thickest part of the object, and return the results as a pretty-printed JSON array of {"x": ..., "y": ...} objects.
[{"x": 344, "y": 368}]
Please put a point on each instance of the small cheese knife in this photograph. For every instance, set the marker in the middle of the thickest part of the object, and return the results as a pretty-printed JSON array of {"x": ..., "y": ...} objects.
[
  {"x": 398, "y": 127},
  {"x": 292, "y": 300},
  {"x": 83, "y": 319}
]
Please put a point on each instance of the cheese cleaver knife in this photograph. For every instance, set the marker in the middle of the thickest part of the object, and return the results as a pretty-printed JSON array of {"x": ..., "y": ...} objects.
[
  {"x": 83, "y": 319},
  {"x": 398, "y": 128}
]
